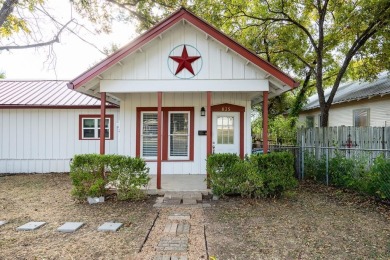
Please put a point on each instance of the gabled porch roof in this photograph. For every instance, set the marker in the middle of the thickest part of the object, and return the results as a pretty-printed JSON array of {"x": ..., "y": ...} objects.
[{"x": 281, "y": 79}]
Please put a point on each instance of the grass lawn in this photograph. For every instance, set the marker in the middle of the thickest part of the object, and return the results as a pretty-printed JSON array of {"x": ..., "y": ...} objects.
[{"x": 314, "y": 223}]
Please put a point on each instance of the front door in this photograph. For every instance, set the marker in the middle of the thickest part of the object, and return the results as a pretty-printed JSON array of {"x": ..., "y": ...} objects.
[{"x": 226, "y": 132}]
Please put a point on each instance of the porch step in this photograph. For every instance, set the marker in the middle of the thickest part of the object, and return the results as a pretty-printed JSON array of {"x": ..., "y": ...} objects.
[{"x": 186, "y": 198}]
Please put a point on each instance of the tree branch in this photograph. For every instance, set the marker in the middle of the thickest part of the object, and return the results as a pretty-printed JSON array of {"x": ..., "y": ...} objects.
[
  {"x": 41, "y": 44},
  {"x": 359, "y": 42}
]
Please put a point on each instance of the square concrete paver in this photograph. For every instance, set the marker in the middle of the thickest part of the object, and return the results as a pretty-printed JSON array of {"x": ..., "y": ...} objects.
[
  {"x": 189, "y": 201},
  {"x": 30, "y": 226},
  {"x": 3, "y": 222},
  {"x": 69, "y": 227},
  {"x": 110, "y": 226}
]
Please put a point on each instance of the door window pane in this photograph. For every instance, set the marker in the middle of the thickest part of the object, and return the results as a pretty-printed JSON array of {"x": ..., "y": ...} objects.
[{"x": 225, "y": 130}]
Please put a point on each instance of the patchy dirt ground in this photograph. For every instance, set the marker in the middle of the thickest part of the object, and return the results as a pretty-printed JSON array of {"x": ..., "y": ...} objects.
[
  {"x": 25, "y": 198},
  {"x": 315, "y": 223}
]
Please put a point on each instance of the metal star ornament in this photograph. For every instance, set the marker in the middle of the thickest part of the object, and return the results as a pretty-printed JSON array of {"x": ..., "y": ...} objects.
[{"x": 184, "y": 61}]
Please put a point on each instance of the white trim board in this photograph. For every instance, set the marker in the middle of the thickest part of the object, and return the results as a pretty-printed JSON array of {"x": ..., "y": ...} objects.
[{"x": 138, "y": 86}]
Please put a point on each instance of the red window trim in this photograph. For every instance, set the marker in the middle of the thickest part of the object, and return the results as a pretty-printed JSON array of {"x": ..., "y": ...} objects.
[
  {"x": 111, "y": 117},
  {"x": 165, "y": 111}
]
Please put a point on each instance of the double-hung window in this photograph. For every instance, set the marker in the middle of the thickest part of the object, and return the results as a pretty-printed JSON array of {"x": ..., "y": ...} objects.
[
  {"x": 149, "y": 135},
  {"x": 361, "y": 117},
  {"x": 90, "y": 127},
  {"x": 179, "y": 135}
]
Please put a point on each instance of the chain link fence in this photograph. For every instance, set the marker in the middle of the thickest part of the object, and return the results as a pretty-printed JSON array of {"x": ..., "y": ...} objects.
[{"x": 363, "y": 170}]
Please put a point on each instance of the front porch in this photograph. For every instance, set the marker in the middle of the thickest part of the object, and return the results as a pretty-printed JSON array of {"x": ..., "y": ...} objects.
[{"x": 178, "y": 182}]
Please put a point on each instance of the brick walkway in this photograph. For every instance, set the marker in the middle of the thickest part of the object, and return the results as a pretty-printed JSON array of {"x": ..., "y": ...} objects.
[{"x": 178, "y": 232}]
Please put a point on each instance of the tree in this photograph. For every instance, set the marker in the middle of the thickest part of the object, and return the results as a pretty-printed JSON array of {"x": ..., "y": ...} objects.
[{"x": 321, "y": 42}]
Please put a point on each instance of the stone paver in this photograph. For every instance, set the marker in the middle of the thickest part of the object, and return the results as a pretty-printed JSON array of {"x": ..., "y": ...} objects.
[
  {"x": 172, "y": 201},
  {"x": 183, "y": 228},
  {"x": 179, "y": 216},
  {"x": 30, "y": 226},
  {"x": 193, "y": 195},
  {"x": 3, "y": 222},
  {"x": 110, "y": 226},
  {"x": 206, "y": 205},
  {"x": 69, "y": 227},
  {"x": 170, "y": 228},
  {"x": 168, "y": 257},
  {"x": 189, "y": 201},
  {"x": 175, "y": 244}
]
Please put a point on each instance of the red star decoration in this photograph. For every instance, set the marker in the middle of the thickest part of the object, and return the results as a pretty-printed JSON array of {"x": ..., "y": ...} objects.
[{"x": 184, "y": 61}]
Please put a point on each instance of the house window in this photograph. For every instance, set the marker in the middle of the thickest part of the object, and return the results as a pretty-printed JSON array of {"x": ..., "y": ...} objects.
[
  {"x": 89, "y": 127},
  {"x": 361, "y": 117},
  {"x": 310, "y": 121},
  {"x": 179, "y": 135},
  {"x": 149, "y": 134}
]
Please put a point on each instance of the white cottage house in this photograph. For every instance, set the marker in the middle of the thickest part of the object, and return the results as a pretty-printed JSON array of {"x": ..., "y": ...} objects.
[{"x": 185, "y": 90}]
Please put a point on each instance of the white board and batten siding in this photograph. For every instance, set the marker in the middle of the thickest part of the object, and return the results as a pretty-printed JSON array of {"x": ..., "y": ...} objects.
[
  {"x": 152, "y": 62},
  {"x": 44, "y": 140},
  {"x": 127, "y": 132}
]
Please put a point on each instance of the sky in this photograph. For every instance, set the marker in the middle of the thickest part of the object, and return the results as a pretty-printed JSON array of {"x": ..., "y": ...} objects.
[{"x": 72, "y": 55}]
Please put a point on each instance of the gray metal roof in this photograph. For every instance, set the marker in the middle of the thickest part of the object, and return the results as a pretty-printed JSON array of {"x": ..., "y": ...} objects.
[
  {"x": 355, "y": 90},
  {"x": 51, "y": 93}
]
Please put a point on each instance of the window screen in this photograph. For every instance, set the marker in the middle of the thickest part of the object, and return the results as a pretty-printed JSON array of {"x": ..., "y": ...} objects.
[
  {"x": 149, "y": 134},
  {"x": 179, "y": 134}
]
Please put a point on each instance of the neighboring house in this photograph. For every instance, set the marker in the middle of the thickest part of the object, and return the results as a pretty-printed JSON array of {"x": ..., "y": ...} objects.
[
  {"x": 185, "y": 90},
  {"x": 355, "y": 104},
  {"x": 43, "y": 124}
]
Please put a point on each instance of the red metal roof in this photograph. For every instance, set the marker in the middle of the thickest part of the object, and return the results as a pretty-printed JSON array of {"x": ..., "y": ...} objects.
[
  {"x": 42, "y": 93},
  {"x": 165, "y": 25}
]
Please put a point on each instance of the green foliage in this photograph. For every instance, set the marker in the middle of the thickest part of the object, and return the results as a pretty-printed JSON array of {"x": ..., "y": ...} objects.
[
  {"x": 268, "y": 175},
  {"x": 90, "y": 173},
  {"x": 378, "y": 179},
  {"x": 277, "y": 170},
  {"x": 130, "y": 175},
  {"x": 87, "y": 175},
  {"x": 352, "y": 173},
  {"x": 224, "y": 173}
]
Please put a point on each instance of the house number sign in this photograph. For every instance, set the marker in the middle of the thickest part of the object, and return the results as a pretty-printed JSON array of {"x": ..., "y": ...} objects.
[{"x": 225, "y": 109}]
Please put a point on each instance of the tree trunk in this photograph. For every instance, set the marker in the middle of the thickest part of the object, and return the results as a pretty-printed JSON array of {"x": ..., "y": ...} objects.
[
  {"x": 6, "y": 10},
  {"x": 324, "y": 116}
]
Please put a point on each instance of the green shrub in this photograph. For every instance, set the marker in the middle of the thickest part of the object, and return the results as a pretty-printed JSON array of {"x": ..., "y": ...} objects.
[
  {"x": 266, "y": 175},
  {"x": 224, "y": 175},
  {"x": 90, "y": 174},
  {"x": 378, "y": 179},
  {"x": 277, "y": 170},
  {"x": 314, "y": 169},
  {"x": 347, "y": 172},
  {"x": 87, "y": 174},
  {"x": 129, "y": 175}
]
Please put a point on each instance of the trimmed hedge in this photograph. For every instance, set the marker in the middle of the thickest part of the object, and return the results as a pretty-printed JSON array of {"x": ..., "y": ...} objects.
[
  {"x": 90, "y": 173},
  {"x": 268, "y": 175}
]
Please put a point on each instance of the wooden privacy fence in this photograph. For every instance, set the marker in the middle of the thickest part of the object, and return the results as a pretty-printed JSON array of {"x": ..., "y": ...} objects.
[{"x": 364, "y": 138}]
